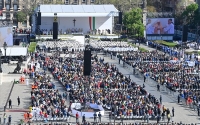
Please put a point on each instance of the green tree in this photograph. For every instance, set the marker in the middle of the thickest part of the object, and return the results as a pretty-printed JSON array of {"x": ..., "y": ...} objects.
[
  {"x": 21, "y": 16},
  {"x": 133, "y": 21},
  {"x": 189, "y": 14}
]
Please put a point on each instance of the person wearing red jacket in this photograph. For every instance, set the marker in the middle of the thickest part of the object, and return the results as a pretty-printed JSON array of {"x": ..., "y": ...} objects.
[{"x": 77, "y": 117}]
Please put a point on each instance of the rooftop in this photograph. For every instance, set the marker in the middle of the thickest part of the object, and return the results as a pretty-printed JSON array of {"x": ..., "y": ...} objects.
[{"x": 77, "y": 8}]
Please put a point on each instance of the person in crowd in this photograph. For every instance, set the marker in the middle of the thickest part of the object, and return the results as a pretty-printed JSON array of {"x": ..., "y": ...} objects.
[
  {"x": 169, "y": 29},
  {"x": 4, "y": 118},
  {"x": 83, "y": 119},
  {"x": 9, "y": 37},
  {"x": 10, "y": 103},
  {"x": 77, "y": 117},
  {"x": 95, "y": 117},
  {"x": 172, "y": 111},
  {"x": 149, "y": 27},
  {"x": 158, "y": 27},
  {"x": 18, "y": 101},
  {"x": 160, "y": 99},
  {"x": 99, "y": 117}
]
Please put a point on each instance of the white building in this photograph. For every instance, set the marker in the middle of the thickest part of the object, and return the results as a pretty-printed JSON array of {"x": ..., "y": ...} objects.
[{"x": 82, "y": 18}]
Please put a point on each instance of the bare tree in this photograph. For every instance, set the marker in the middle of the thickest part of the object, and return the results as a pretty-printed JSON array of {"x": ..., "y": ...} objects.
[{"x": 122, "y": 5}]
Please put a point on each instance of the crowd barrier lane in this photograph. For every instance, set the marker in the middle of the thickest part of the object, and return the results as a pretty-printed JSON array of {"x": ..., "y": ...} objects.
[{"x": 5, "y": 106}]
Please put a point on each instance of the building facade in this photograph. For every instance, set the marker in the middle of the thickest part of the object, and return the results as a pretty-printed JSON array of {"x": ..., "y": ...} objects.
[
  {"x": 79, "y": 2},
  {"x": 9, "y": 8}
]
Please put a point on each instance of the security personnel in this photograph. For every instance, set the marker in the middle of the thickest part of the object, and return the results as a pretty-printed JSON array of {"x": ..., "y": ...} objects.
[
  {"x": 178, "y": 99},
  {"x": 99, "y": 115},
  {"x": 83, "y": 119},
  {"x": 95, "y": 117},
  {"x": 9, "y": 120}
]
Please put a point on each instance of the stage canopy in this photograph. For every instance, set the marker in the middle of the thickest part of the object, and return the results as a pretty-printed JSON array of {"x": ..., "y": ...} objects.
[
  {"x": 95, "y": 19},
  {"x": 78, "y": 10}
]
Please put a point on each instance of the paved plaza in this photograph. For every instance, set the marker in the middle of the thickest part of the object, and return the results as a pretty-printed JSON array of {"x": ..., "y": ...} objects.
[{"x": 183, "y": 113}]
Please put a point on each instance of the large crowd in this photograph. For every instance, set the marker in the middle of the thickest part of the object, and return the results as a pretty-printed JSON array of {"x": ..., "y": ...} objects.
[{"x": 108, "y": 87}]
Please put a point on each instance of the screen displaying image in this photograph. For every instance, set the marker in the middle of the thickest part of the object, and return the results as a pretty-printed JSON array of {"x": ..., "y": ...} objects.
[
  {"x": 6, "y": 35},
  {"x": 160, "y": 26}
]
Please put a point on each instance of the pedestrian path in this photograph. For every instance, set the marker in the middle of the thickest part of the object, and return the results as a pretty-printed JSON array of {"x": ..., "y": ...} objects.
[{"x": 181, "y": 113}]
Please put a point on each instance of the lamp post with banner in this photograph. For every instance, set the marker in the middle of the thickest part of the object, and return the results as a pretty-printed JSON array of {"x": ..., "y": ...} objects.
[
  {"x": 1, "y": 73},
  {"x": 5, "y": 47}
]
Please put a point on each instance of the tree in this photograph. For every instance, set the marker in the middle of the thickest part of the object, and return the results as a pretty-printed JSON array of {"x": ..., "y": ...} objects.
[
  {"x": 21, "y": 16},
  {"x": 122, "y": 5},
  {"x": 189, "y": 14},
  {"x": 133, "y": 21},
  {"x": 151, "y": 9}
]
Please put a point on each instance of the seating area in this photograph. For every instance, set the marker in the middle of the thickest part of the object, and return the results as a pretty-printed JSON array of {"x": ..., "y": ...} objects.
[
  {"x": 70, "y": 44},
  {"x": 113, "y": 46},
  {"x": 124, "y": 96},
  {"x": 75, "y": 31},
  {"x": 47, "y": 103}
]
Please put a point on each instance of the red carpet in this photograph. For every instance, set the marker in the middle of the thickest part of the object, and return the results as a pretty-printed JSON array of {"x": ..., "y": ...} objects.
[{"x": 17, "y": 110}]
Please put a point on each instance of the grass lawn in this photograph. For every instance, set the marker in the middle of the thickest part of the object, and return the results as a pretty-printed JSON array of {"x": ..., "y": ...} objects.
[
  {"x": 169, "y": 44},
  {"x": 32, "y": 47}
]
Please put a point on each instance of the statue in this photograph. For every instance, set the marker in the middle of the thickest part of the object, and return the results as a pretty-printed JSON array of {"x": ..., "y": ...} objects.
[
  {"x": 20, "y": 60},
  {"x": 19, "y": 63},
  {"x": 18, "y": 68}
]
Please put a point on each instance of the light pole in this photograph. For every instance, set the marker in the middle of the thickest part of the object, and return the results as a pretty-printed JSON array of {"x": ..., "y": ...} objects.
[
  {"x": 0, "y": 61},
  {"x": 1, "y": 79},
  {"x": 5, "y": 47}
]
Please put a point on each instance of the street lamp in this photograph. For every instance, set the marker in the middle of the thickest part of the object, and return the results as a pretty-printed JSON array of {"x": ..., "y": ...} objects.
[
  {"x": 5, "y": 47},
  {"x": 0, "y": 61}
]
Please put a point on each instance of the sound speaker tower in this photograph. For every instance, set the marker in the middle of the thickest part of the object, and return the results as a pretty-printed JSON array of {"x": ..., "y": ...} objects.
[
  {"x": 185, "y": 33},
  {"x": 55, "y": 30},
  {"x": 120, "y": 18},
  {"x": 87, "y": 63},
  {"x": 39, "y": 18}
]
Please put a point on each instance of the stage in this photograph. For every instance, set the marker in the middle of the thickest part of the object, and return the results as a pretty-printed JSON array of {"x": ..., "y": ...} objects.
[{"x": 86, "y": 19}]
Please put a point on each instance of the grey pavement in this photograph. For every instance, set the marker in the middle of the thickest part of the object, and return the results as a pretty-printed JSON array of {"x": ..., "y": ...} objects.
[
  {"x": 23, "y": 91},
  {"x": 18, "y": 90},
  {"x": 182, "y": 113}
]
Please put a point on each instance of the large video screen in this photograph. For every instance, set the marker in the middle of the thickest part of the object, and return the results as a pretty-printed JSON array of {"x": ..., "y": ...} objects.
[
  {"x": 160, "y": 26},
  {"x": 6, "y": 35}
]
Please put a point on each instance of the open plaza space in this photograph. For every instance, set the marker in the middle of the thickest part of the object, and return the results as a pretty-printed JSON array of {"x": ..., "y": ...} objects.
[{"x": 97, "y": 65}]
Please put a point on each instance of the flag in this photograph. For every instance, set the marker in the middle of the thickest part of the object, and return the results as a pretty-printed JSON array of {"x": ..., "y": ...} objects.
[{"x": 92, "y": 23}]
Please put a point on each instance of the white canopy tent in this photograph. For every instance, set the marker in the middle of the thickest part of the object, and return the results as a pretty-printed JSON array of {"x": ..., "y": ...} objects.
[{"x": 78, "y": 17}]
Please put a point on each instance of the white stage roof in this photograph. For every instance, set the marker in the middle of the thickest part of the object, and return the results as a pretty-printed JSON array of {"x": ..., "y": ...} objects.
[{"x": 78, "y": 10}]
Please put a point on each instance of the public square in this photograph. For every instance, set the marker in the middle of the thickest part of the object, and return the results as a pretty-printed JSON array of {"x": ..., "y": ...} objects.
[
  {"x": 99, "y": 62},
  {"x": 183, "y": 113}
]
